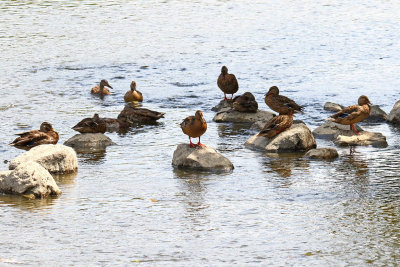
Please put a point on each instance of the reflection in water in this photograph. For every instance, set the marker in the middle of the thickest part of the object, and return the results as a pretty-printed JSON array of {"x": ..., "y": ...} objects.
[
  {"x": 233, "y": 129},
  {"x": 354, "y": 161},
  {"x": 91, "y": 156},
  {"x": 65, "y": 179},
  {"x": 26, "y": 203},
  {"x": 283, "y": 164}
]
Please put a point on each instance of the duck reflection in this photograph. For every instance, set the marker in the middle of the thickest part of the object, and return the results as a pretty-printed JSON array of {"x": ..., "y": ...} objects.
[
  {"x": 354, "y": 161},
  {"x": 283, "y": 164},
  {"x": 233, "y": 129}
]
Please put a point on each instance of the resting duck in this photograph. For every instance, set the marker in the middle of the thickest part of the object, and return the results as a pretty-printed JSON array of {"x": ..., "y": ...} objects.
[
  {"x": 353, "y": 114},
  {"x": 194, "y": 126},
  {"x": 245, "y": 103},
  {"x": 91, "y": 125},
  {"x": 100, "y": 90},
  {"x": 227, "y": 83},
  {"x": 27, "y": 140},
  {"x": 280, "y": 103},
  {"x": 133, "y": 94},
  {"x": 130, "y": 115},
  {"x": 277, "y": 125}
]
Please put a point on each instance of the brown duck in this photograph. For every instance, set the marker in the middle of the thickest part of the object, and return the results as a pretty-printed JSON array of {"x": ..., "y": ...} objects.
[
  {"x": 277, "y": 125},
  {"x": 227, "y": 83},
  {"x": 245, "y": 103},
  {"x": 27, "y": 140},
  {"x": 91, "y": 125},
  {"x": 133, "y": 94},
  {"x": 353, "y": 114},
  {"x": 280, "y": 103},
  {"x": 100, "y": 90},
  {"x": 130, "y": 115},
  {"x": 194, "y": 126}
]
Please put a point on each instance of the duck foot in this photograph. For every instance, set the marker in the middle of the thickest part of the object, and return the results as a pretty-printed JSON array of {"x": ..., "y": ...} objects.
[{"x": 354, "y": 129}]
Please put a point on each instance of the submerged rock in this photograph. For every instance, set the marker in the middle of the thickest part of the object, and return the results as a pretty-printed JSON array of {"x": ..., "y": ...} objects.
[
  {"x": 54, "y": 158},
  {"x": 364, "y": 139},
  {"x": 322, "y": 153},
  {"x": 236, "y": 116},
  {"x": 330, "y": 129},
  {"x": 201, "y": 158},
  {"x": 394, "y": 115},
  {"x": 333, "y": 107},
  {"x": 97, "y": 141},
  {"x": 29, "y": 179},
  {"x": 297, "y": 138}
]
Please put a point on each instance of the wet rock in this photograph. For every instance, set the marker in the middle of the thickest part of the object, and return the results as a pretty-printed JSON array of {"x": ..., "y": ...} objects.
[
  {"x": 322, "y": 153},
  {"x": 89, "y": 141},
  {"x": 377, "y": 115},
  {"x": 201, "y": 158},
  {"x": 364, "y": 139},
  {"x": 296, "y": 138},
  {"x": 223, "y": 105},
  {"x": 333, "y": 107},
  {"x": 54, "y": 158},
  {"x": 394, "y": 115},
  {"x": 330, "y": 129},
  {"x": 236, "y": 116},
  {"x": 29, "y": 179}
]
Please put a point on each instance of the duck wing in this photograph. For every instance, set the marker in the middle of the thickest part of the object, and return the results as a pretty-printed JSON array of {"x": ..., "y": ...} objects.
[
  {"x": 289, "y": 103},
  {"x": 350, "y": 113},
  {"x": 30, "y": 139}
]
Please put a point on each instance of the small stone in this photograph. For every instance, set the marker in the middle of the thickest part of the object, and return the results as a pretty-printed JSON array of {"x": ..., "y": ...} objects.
[
  {"x": 89, "y": 141},
  {"x": 201, "y": 158},
  {"x": 333, "y": 107},
  {"x": 322, "y": 153},
  {"x": 330, "y": 129},
  {"x": 236, "y": 116},
  {"x": 364, "y": 139}
]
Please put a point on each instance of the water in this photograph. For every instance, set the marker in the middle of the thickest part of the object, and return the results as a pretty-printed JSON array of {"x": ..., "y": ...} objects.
[{"x": 128, "y": 206}]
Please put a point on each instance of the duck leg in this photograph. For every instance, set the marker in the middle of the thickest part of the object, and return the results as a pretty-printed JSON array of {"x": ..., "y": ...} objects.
[
  {"x": 191, "y": 144},
  {"x": 200, "y": 144},
  {"x": 225, "y": 97},
  {"x": 354, "y": 129}
]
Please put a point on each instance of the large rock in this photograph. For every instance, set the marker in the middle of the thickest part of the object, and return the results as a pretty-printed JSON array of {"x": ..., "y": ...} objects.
[
  {"x": 333, "y": 107},
  {"x": 296, "y": 138},
  {"x": 201, "y": 158},
  {"x": 89, "y": 141},
  {"x": 364, "y": 139},
  {"x": 232, "y": 115},
  {"x": 330, "y": 129},
  {"x": 394, "y": 115},
  {"x": 322, "y": 153},
  {"x": 54, "y": 158},
  {"x": 29, "y": 179}
]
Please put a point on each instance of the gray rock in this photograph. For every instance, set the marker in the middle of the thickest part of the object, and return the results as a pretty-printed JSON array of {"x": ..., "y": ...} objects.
[
  {"x": 54, "y": 158},
  {"x": 333, "y": 107},
  {"x": 223, "y": 105},
  {"x": 330, "y": 129},
  {"x": 296, "y": 138},
  {"x": 29, "y": 179},
  {"x": 394, "y": 115},
  {"x": 201, "y": 158},
  {"x": 322, "y": 153},
  {"x": 232, "y": 115},
  {"x": 364, "y": 139},
  {"x": 89, "y": 141}
]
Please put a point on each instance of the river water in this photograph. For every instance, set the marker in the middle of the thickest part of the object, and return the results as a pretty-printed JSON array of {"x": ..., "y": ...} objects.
[{"x": 128, "y": 206}]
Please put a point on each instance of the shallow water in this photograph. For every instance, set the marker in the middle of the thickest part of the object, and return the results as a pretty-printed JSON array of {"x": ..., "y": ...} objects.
[{"x": 271, "y": 210}]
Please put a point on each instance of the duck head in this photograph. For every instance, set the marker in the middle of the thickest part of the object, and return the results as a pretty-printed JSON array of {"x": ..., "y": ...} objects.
[
  {"x": 363, "y": 100},
  {"x": 199, "y": 115},
  {"x": 96, "y": 116},
  {"x": 133, "y": 86},
  {"x": 274, "y": 90},
  {"x": 105, "y": 83},
  {"x": 46, "y": 127},
  {"x": 224, "y": 70}
]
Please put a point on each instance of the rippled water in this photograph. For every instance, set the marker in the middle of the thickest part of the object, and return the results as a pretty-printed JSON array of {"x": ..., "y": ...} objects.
[{"x": 271, "y": 210}]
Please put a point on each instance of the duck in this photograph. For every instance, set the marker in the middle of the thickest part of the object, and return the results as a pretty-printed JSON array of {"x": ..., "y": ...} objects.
[
  {"x": 227, "y": 83},
  {"x": 100, "y": 90},
  {"x": 245, "y": 103},
  {"x": 27, "y": 140},
  {"x": 91, "y": 125},
  {"x": 194, "y": 126},
  {"x": 131, "y": 114},
  {"x": 133, "y": 94},
  {"x": 353, "y": 114},
  {"x": 280, "y": 103},
  {"x": 277, "y": 125}
]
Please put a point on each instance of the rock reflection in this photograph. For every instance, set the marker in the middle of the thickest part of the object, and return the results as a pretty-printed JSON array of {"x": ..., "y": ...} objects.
[
  {"x": 26, "y": 203},
  {"x": 94, "y": 157},
  {"x": 233, "y": 129},
  {"x": 354, "y": 161},
  {"x": 284, "y": 164},
  {"x": 65, "y": 179}
]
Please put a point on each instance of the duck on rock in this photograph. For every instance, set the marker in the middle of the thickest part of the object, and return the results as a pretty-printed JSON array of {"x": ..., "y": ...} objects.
[
  {"x": 100, "y": 90},
  {"x": 91, "y": 125},
  {"x": 133, "y": 94},
  {"x": 280, "y": 103},
  {"x": 194, "y": 126},
  {"x": 227, "y": 83},
  {"x": 27, "y": 140},
  {"x": 277, "y": 125},
  {"x": 245, "y": 103},
  {"x": 131, "y": 115},
  {"x": 353, "y": 114}
]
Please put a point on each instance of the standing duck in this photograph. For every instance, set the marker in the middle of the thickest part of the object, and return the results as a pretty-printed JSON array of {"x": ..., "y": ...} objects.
[
  {"x": 280, "y": 103},
  {"x": 100, "y": 90},
  {"x": 194, "y": 126},
  {"x": 353, "y": 114},
  {"x": 27, "y": 140},
  {"x": 133, "y": 94},
  {"x": 227, "y": 83},
  {"x": 277, "y": 125},
  {"x": 91, "y": 125},
  {"x": 245, "y": 103}
]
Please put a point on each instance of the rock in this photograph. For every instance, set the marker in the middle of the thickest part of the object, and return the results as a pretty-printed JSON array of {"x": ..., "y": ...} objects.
[
  {"x": 394, "y": 115},
  {"x": 322, "y": 153},
  {"x": 333, "y": 107},
  {"x": 89, "y": 141},
  {"x": 330, "y": 129},
  {"x": 29, "y": 179},
  {"x": 236, "y": 116},
  {"x": 377, "y": 115},
  {"x": 201, "y": 158},
  {"x": 364, "y": 139},
  {"x": 223, "y": 105},
  {"x": 54, "y": 158},
  {"x": 296, "y": 138}
]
